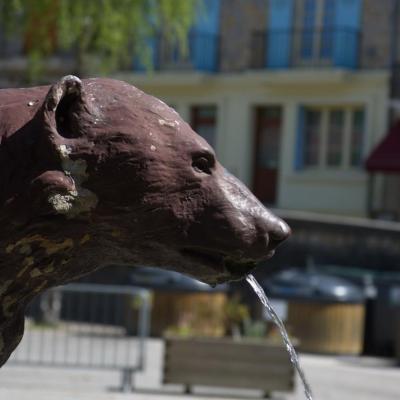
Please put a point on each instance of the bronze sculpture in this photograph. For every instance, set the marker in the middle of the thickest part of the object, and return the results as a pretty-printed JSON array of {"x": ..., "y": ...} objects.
[{"x": 97, "y": 172}]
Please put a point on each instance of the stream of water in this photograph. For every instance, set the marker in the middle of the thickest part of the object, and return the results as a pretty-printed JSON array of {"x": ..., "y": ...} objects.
[{"x": 278, "y": 322}]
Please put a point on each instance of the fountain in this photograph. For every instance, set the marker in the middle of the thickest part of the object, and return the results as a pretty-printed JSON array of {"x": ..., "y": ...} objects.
[{"x": 278, "y": 322}]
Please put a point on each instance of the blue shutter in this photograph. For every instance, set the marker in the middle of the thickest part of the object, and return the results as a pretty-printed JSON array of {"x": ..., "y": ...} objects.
[
  {"x": 299, "y": 142},
  {"x": 203, "y": 41},
  {"x": 346, "y": 37},
  {"x": 279, "y": 33}
]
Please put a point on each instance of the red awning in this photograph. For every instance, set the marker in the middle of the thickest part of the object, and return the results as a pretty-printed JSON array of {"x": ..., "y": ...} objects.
[{"x": 386, "y": 156}]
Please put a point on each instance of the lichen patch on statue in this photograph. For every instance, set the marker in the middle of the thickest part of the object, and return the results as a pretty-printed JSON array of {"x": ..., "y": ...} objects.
[
  {"x": 78, "y": 200},
  {"x": 96, "y": 172}
]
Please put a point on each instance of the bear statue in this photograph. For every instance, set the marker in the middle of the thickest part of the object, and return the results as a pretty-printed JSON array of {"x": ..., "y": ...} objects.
[{"x": 95, "y": 172}]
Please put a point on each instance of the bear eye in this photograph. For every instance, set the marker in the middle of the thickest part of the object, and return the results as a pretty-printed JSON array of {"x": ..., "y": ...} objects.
[{"x": 203, "y": 163}]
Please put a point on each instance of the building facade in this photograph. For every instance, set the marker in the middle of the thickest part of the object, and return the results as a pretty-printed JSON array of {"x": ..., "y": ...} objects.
[{"x": 293, "y": 94}]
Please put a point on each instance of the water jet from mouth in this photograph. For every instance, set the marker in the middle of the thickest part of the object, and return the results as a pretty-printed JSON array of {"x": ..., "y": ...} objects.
[{"x": 278, "y": 322}]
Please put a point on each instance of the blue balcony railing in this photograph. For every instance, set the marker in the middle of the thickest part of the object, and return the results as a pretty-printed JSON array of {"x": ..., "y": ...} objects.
[
  {"x": 201, "y": 54},
  {"x": 306, "y": 48}
]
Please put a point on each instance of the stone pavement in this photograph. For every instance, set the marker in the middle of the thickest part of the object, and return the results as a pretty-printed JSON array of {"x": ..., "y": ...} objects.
[{"x": 332, "y": 378}]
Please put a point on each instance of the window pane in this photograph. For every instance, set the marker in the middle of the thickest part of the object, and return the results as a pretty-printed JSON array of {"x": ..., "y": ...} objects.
[
  {"x": 312, "y": 126},
  {"x": 307, "y": 36},
  {"x": 206, "y": 112},
  {"x": 326, "y": 49},
  {"x": 269, "y": 138},
  {"x": 357, "y": 133},
  {"x": 207, "y": 132},
  {"x": 329, "y": 13},
  {"x": 204, "y": 119},
  {"x": 335, "y": 138},
  {"x": 327, "y": 34},
  {"x": 309, "y": 6},
  {"x": 307, "y": 44}
]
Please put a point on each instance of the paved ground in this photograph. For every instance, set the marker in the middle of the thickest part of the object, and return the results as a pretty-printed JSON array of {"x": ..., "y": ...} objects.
[{"x": 332, "y": 378}]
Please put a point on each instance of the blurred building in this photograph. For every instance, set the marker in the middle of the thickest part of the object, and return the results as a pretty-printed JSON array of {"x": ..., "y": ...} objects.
[{"x": 293, "y": 94}]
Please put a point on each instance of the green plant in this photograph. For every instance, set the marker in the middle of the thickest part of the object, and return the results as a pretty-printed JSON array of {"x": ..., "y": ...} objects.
[
  {"x": 235, "y": 313},
  {"x": 254, "y": 329},
  {"x": 102, "y": 32}
]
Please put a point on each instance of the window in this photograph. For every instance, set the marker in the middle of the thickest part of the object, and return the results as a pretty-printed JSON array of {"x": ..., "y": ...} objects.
[
  {"x": 356, "y": 143},
  {"x": 269, "y": 136},
  {"x": 309, "y": 18},
  {"x": 204, "y": 122},
  {"x": 332, "y": 137},
  {"x": 318, "y": 19},
  {"x": 326, "y": 47},
  {"x": 335, "y": 138},
  {"x": 312, "y": 138},
  {"x": 267, "y": 151}
]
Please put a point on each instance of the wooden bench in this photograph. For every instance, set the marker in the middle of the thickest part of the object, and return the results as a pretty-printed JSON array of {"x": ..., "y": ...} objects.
[{"x": 251, "y": 364}]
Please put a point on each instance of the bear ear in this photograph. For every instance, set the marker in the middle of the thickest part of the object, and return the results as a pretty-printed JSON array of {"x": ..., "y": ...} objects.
[{"x": 62, "y": 105}]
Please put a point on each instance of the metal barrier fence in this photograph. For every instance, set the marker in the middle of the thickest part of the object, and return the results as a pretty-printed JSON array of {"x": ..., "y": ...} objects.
[{"x": 88, "y": 326}]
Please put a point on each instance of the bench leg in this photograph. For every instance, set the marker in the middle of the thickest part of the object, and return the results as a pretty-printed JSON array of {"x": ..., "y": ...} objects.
[
  {"x": 188, "y": 389},
  {"x": 127, "y": 381}
]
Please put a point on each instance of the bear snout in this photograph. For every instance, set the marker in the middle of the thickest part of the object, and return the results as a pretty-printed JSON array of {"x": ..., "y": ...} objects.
[
  {"x": 260, "y": 231},
  {"x": 271, "y": 232}
]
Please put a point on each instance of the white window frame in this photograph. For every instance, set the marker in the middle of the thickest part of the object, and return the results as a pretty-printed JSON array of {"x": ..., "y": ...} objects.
[
  {"x": 324, "y": 131},
  {"x": 317, "y": 28}
]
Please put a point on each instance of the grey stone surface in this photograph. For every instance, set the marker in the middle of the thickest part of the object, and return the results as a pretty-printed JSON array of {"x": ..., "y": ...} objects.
[
  {"x": 376, "y": 33},
  {"x": 240, "y": 20}
]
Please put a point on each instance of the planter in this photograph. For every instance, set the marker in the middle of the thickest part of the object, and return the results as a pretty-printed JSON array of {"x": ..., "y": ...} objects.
[
  {"x": 250, "y": 364},
  {"x": 327, "y": 328},
  {"x": 202, "y": 310},
  {"x": 179, "y": 302}
]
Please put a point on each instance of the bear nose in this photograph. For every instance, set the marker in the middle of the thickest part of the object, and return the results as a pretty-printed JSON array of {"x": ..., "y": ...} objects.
[
  {"x": 280, "y": 232},
  {"x": 272, "y": 231}
]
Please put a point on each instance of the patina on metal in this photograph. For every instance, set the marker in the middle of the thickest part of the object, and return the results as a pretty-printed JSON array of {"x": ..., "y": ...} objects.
[{"x": 96, "y": 172}]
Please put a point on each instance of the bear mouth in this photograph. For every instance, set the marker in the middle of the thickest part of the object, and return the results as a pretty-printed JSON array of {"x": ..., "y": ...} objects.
[
  {"x": 226, "y": 266},
  {"x": 206, "y": 256}
]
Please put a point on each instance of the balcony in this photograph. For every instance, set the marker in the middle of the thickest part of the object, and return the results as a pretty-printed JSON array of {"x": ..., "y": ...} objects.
[
  {"x": 202, "y": 54},
  {"x": 296, "y": 48}
]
